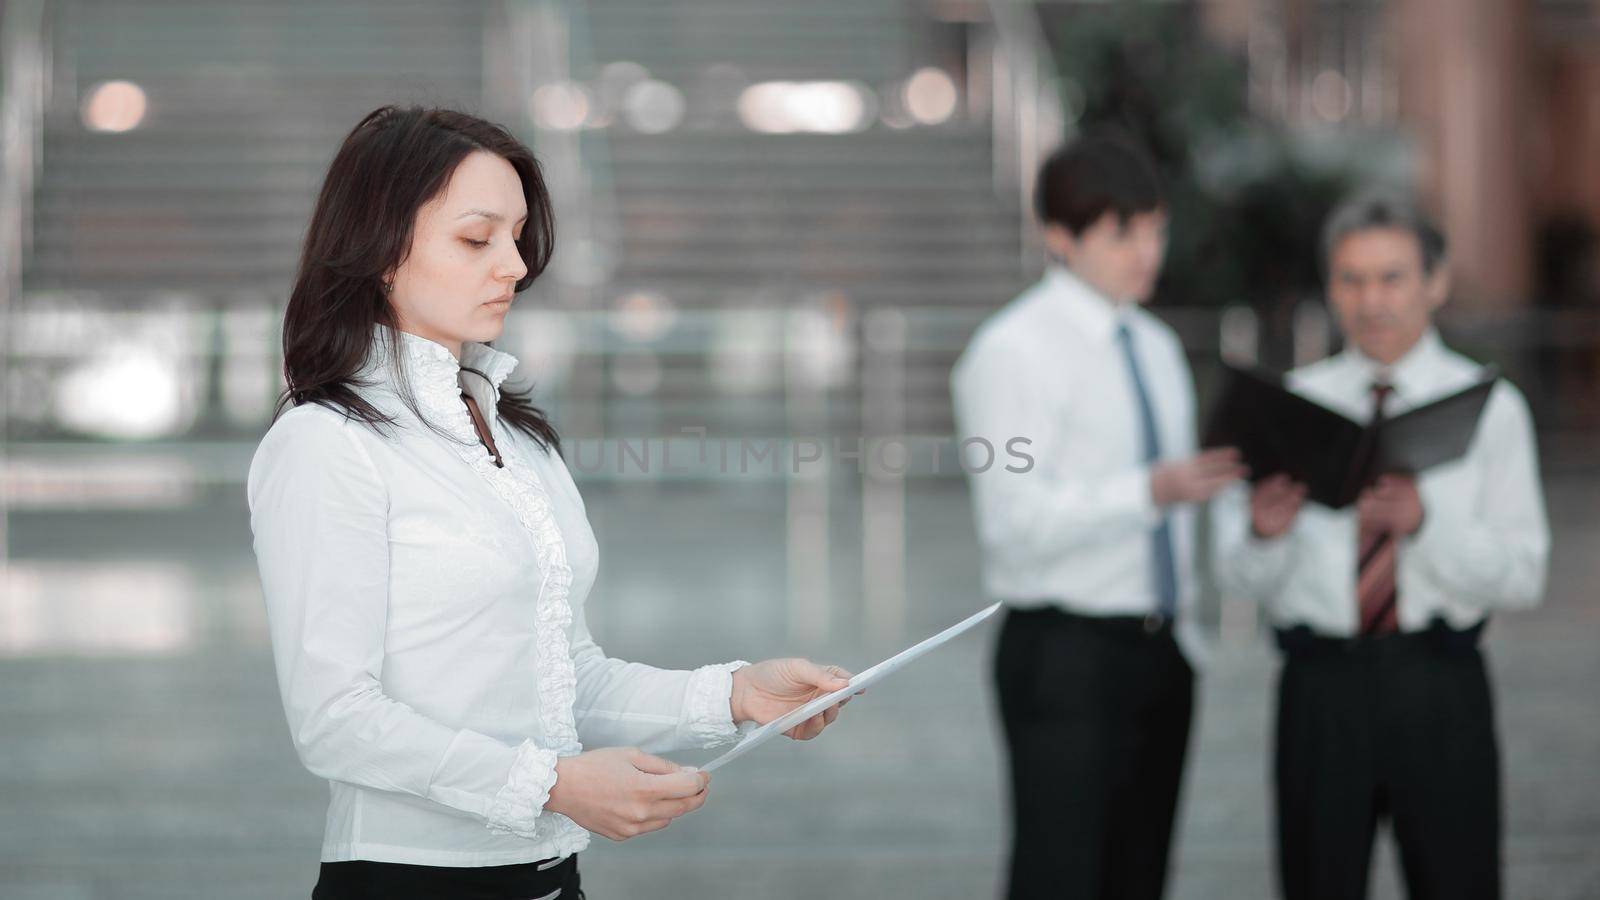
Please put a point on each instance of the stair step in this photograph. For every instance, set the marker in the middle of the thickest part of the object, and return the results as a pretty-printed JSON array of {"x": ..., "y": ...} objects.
[{"x": 249, "y": 101}]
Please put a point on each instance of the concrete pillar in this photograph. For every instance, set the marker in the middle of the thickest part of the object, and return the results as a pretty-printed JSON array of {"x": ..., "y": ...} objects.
[
  {"x": 1572, "y": 146},
  {"x": 1464, "y": 80}
]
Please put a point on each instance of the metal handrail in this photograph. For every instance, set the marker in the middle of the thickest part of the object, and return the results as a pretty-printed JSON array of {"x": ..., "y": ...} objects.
[
  {"x": 24, "y": 90},
  {"x": 26, "y": 61},
  {"x": 547, "y": 43},
  {"x": 540, "y": 44},
  {"x": 1025, "y": 111}
]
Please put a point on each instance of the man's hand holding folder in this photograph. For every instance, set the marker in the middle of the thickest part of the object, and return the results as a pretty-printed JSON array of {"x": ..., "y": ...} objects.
[
  {"x": 1392, "y": 505},
  {"x": 1197, "y": 478},
  {"x": 1274, "y": 504}
]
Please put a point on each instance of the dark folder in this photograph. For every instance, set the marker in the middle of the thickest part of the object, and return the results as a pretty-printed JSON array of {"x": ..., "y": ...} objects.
[{"x": 1278, "y": 430}]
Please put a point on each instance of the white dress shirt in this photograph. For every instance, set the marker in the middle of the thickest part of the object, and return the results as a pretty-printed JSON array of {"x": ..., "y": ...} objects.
[
  {"x": 1484, "y": 540},
  {"x": 1076, "y": 529},
  {"x": 426, "y": 613}
]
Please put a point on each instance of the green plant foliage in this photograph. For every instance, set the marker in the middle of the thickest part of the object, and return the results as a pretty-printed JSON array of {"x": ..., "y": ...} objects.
[{"x": 1247, "y": 197}]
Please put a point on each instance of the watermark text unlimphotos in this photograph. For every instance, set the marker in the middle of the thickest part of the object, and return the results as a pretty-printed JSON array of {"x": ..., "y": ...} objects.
[{"x": 694, "y": 452}]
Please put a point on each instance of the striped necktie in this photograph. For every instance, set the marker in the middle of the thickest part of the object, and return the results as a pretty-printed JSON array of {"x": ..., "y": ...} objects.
[
  {"x": 1376, "y": 572},
  {"x": 1160, "y": 539}
]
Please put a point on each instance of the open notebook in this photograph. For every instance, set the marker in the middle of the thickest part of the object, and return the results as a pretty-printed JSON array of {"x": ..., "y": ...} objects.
[{"x": 1278, "y": 430}]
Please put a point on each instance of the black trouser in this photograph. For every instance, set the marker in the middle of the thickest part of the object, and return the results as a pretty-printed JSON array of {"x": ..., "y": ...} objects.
[
  {"x": 365, "y": 880},
  {"x": 1398, "y": 727},
  {"x": 1096, "y": 714}
]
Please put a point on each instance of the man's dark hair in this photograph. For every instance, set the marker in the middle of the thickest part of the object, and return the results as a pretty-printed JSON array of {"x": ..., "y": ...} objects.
[
  {"x": 1099, "y": 171},
  {"x": 1382, "y": 208}
]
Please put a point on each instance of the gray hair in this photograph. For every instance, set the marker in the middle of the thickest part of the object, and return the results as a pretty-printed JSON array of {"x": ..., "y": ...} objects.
[{"x": 1382, "y": 208}]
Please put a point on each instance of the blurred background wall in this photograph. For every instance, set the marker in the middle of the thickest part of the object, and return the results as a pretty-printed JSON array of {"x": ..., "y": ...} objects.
[{"x": 778, "y": 223}]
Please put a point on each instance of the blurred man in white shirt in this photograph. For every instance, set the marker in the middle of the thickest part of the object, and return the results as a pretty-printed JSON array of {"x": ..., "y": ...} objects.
[
  {"x": 1091, "y": 546},
  {"x": 1384, "y": 706}
]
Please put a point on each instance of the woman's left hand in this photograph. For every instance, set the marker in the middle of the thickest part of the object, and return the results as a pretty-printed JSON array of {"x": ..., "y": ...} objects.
[{"x": 766, "y": 690}]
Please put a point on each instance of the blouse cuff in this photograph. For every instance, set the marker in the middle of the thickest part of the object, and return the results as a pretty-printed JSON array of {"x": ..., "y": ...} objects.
[
  {"x": 708, "y": 713},
  {"x": 517, "y": 806}
]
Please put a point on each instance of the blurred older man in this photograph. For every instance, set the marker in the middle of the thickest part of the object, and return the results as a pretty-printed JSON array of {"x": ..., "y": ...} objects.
[{"x": 1384, "y": 705}]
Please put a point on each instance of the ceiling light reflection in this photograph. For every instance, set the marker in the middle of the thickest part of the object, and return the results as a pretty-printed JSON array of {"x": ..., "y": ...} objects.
[
  {"x": 114, "y": 106},
  {"x": 930, "y": 96},
  {"x": 822, "y": 107}
]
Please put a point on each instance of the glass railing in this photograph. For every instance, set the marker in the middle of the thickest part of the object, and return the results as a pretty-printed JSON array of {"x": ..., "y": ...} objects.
[{"x": 171, "y": 369}]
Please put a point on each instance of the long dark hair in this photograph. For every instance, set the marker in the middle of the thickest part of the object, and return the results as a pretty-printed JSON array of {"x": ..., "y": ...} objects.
[{"x": 390, "y": 165}]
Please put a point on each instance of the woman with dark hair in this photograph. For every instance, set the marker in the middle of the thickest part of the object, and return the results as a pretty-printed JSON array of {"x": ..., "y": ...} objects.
[{"x": 425, "y": 555}]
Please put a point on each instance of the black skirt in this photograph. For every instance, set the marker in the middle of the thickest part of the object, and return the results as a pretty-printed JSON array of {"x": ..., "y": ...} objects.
[{"x": 366, "y": 880}]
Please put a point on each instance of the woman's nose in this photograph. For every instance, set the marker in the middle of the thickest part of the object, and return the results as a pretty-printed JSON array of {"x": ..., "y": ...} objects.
[{"x": 514, "y": 268}]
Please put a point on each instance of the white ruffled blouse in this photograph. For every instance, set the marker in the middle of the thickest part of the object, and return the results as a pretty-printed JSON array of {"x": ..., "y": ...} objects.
[{"x": 426, "y": 613}]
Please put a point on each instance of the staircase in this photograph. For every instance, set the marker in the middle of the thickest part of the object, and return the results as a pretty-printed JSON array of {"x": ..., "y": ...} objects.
[
  {"x": 714, "y": 216},
  {"x": 246, "y": 104},
  {"x": 864, "y": 40},
  {"x": 208, "y": 199}
]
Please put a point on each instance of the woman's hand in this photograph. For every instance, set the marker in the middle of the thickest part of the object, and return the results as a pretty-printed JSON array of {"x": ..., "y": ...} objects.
[
  {"x": 623, "y": 792},
  {"x": 766, "y": 690}
]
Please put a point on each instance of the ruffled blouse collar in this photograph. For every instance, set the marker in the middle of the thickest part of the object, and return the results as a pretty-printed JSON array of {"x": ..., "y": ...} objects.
[{"x": 436, "y": 377}]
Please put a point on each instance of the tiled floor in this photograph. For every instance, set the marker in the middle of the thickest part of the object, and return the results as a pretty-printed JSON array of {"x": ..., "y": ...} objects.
[{"x": 143, "y": 752}]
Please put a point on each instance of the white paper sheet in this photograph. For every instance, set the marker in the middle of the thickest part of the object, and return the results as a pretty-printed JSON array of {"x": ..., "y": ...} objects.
[{"x": 859, "y": 682}]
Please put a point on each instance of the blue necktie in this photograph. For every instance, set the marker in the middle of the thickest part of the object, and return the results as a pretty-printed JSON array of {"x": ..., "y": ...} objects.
[{"x": 1161, "y": 538}]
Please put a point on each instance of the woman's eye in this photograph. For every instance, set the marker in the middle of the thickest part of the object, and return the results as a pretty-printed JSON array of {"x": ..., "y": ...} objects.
[{"x": 479, "y": 244}]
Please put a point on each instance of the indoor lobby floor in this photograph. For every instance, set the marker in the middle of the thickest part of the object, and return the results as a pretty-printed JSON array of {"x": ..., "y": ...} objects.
[{"x": 144, "y": 755}]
